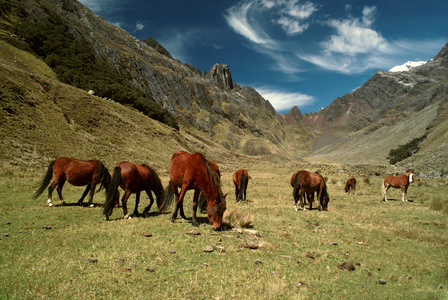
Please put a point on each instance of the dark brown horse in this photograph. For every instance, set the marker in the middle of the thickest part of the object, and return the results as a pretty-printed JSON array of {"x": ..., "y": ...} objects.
[
  {"x": 78, "y": 173},
  {"x": 309, "y": 183},
  {"x": 350, "y": 185},
  {"x": 195, "y": 172},
  {"x": 296, "y": 189},
  {"x": 133, "y": 179},
  {"x": 401, "y": 181},
  {"x": 240, "y": 180}
]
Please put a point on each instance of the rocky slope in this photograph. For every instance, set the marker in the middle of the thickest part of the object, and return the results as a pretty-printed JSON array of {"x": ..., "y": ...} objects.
[{"x": 216, "y": 115}]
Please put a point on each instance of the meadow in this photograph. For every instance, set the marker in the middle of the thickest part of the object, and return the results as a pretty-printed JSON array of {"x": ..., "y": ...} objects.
[{"x": 399, "y": 250}]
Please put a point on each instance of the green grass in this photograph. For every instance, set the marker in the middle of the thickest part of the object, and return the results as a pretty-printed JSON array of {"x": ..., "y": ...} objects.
[{"x": 71, "y": 252}]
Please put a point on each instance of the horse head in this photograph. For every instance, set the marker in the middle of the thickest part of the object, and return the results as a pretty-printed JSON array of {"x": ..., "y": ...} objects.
[
  {"x": 324, "y": 201},
  {"x": 410, "y": 175},
  {"x": 215, "y": 211}
]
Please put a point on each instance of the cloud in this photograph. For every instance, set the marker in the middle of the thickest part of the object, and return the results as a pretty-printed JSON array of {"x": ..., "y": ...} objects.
[
  {"x": 237, "y": 17},
  {"x": 291, "y": 26},
  {"x": 139, "y": 26},
  {"x": 354, "y": 36},
  {"x": 282, "y": 100}
]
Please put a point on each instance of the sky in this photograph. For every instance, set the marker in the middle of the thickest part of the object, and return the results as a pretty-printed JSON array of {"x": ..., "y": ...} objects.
[{"x": 293, "y": 52}]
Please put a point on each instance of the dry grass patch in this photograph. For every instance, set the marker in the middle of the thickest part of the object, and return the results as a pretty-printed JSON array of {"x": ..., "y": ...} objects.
[{"x": 237, "y": 219}]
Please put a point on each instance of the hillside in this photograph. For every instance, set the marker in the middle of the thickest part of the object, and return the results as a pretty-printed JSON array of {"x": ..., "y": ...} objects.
[{"x": 42, "y": 117}]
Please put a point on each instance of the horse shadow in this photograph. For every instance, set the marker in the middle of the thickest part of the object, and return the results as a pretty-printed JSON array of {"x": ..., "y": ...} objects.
[{"x": 397, "y": 200}]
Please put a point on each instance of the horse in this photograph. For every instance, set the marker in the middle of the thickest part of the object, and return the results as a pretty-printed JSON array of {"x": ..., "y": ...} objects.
[
  {"x": 310, "y": 183},
  {"x": 195, "y": 172},
  {"x": 78, "y": 173},
  {"x": 296, "y": 189},
  {"x": 351, "y": 184},
  {"x": 401, "y": 181},
  {"x": 133, "y": 179},
  {"x": 240, "y": 180}
]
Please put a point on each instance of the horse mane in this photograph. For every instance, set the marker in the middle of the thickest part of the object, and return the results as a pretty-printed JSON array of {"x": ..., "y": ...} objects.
[
  {"x": 210, "y": 172},
  {"x": 158, "y": 183}
]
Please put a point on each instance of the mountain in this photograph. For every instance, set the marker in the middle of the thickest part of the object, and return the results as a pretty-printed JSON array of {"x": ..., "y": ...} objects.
[
  {"x": 407, "y": 66},
  {"x": 388, "y": 111},
  {"x": 53, "y": 52}
]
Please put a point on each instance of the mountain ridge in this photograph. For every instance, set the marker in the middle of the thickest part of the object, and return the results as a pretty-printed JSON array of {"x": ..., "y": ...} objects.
[{"x": 217, "y": 115}]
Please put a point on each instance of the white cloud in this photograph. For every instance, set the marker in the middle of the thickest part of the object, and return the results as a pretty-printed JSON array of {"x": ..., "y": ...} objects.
[
  {"x": 299, "y": 11},
  {"x": 139, "y": 26},
  {"x": 291, "y": 26},
  {"x": 353, "y": 36},
  {"x": 281, "y": 100},
  {"x": 237, "y": 18}
]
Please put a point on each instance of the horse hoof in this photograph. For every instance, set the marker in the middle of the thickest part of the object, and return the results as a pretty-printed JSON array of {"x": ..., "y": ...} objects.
[
  {"x": 50, "y": 204},
  {"x": 92, "y": 205},
  {"x": 127, "y": 217}
]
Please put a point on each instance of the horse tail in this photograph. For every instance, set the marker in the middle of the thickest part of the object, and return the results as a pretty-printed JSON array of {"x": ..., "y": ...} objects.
[
  {"x": 383, "y": 189},
  {"x": 105, "y": 177},
  {"x": 112, "y": 193},
  {"x": 296, "y": 186},
  {"x": 168, "y": 199},
  {"x": 242, "y": 186},
  {"x": 158, "y": 187},
  {"x": 45, "y": 181}
]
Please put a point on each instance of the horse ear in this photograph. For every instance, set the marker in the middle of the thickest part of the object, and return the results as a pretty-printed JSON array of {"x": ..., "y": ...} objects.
[{"x": 225, "y": 196}]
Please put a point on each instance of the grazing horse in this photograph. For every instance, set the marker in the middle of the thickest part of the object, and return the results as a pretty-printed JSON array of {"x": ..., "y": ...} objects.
[
  {"x": 350, "y": 185},
  {"x": 296, "y": 189},
  {"x": 78, "y": 173},
  {"x": 310, "y": 183},
  {"x": 240, "y": 180},
  {"x": 133, "y": 179},
  {"x": 401, "y": 181},
  {"x": 195, "y": 172}
]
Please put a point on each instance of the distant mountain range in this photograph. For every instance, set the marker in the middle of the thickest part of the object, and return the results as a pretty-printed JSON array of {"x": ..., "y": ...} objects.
[{"x": 212, "y": 113}]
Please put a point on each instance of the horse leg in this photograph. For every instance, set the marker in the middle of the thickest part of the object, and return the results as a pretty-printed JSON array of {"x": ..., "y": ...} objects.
[
  {"x": 237, "y": 191},
  {"x": 385, "y": 192},
  {"x": 176, "y": 201},
  {"x": 181, "y": 200},
  {"x": 195, "y": 206},
  {"x": 137, "y": 201},
  {"x": 405, "y": 191},
  {"x": 84, "y": 195},
  {"x": 92, "y": 192},
  {"x": 124, "y": 201},
  {"x": 59, "y": 190},
  {"x": 151, "y": 201},
  {"x": 302, "y": 199},
  {"x": 50, "y": 192}
]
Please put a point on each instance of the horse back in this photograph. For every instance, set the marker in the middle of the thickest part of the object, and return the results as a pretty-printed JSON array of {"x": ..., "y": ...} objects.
[{"x": 77, "y": 172}]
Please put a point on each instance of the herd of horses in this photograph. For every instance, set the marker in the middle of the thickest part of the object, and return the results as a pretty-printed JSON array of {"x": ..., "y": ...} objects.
[{"x": 187, "y": 172}]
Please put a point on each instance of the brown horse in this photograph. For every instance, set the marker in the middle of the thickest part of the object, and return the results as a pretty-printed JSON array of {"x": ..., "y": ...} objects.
[
  {"x": 401, "y": 181},
  {"x": 133, "y": 179},
  {"x": 78, "y": 173},
  {"x": 240, "y": 180},
  {"x": 296, "y": 189},
  {"x": 195, "y": 172},
  {"x": 310, "y": 183},
  {"x": 350, "y": 185}
]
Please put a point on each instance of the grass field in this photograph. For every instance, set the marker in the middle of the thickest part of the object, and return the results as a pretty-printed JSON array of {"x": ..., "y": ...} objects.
[{"x": 399, "y": 250}]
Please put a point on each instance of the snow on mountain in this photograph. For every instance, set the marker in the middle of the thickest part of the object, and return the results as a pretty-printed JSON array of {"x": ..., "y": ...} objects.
[{"x": 407, "y": 66}]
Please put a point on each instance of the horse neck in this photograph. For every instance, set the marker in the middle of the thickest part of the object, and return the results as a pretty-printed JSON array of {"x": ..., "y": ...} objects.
[{"x": 210, "y": 190}]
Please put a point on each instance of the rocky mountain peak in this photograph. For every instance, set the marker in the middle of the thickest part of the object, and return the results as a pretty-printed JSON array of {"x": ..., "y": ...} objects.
[
  {"x": 220, "y": 73},
  {"x": 159, "y": 48}
]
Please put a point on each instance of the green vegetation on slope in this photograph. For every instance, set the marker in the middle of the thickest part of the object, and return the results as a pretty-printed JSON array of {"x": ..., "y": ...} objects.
[
  {"x": 404, "y": 151},
  {"x": 74, "y": 62}
]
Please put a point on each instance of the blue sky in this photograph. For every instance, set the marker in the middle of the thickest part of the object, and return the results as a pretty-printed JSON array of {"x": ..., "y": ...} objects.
[{"x": 294, "y": 53}]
